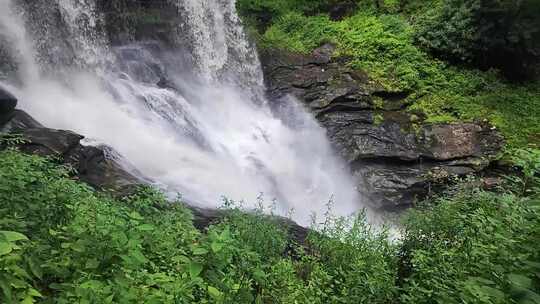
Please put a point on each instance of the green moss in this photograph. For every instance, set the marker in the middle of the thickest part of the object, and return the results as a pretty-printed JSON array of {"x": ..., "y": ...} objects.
[
  {"x": 378, "y": 103},
  {"x": 378, "y": 119}
]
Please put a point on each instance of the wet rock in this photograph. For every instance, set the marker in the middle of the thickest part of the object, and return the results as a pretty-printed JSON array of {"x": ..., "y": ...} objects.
[
  {"x": 92, "y": 164},
  {"x": 8, "y": 102},
  {"x": 49, "y": 142},
  {"x": 323, "y": 87},
  {"x": 491, "y": 183},
  {"x": 19, "y": 121},
  {"x": 324, "y": 53},
  {"x": 127, "y": 21},
  {"x": 203, "y": 218},
  {"x": 96, "y": 168},
  {"x": 394, "y": 159},
  {"x": 165, "y": 83},
  {"x": 139, "y": 62},
  {"x": 342, "y": 9}
]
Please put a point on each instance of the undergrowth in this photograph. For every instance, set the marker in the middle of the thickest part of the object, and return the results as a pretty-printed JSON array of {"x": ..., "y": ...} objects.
[{"x": 62, "y": 242}]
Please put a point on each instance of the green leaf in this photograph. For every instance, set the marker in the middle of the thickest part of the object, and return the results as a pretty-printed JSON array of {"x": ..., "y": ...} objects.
[
  {"x": 225, "y": 234},
  {"x": 214, "y": 292},
  {"x": 28, "y": 300},
  {"x": 92, "y": 284},
  {"x": 482, "y": 280},
  {"x": 92, "y": 264},
  {"x": 5, "y": 248},
  {"x": 216, "y": 246},
  {"x": 136, "y": 215},
  {"x": 138, "y": 256},
  {"x": 78, "y": 246},
  {"x": 520, "y": 280},
  {"x": 19, "y": 272},
  {"x": 195, "y": 269},
  {"x": 35, "y": 268},
  {"x": 13, "y": 236},
  {"x": 34, "y": 293},
  {"x": 6, "y": 288},
  {"x": 259, "y": 275},
  {"x": 258, "y": 300},
  {"x": 493, "y": 292},
  {"x": 199, "y": 251},
  {"x": 533, "y": 297},
  {"x": 146, "y": 227}
]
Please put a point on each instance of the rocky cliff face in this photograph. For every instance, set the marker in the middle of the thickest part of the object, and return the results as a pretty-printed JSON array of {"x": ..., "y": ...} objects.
[{"x": 395, "y": 158}]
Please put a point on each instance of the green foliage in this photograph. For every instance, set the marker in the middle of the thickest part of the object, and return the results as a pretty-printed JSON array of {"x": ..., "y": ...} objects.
[
  {"x": 528, "y": 162},
  {"x": 61, "y": 242},
  {"x": 362, "y": 261},
  {"x": 473, "y": 247},
  {"x": 10, "y": 140},
  {"x": 265, "y": 12},
  {"x": 487, "y": 33},
  {"x": 384, "y": 46}
]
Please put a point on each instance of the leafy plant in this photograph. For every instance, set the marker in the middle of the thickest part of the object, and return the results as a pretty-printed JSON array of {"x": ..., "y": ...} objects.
[
  {"x": 474, "y": 246},
  {"x": 502, "y": 34},
  {"x": 62, "y": 242}
]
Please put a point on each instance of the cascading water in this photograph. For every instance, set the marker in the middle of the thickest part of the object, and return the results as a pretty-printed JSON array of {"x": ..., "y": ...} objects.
[{"x": 209, "y": 134}]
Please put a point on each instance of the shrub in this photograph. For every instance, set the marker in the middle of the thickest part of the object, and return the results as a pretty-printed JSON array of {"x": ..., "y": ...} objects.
[
  {"x": 360, "y": 261},
  {"x": 486, "y": 33},
  {"x": 475, "y": 247},
  {"x": 62, "y": 242}
]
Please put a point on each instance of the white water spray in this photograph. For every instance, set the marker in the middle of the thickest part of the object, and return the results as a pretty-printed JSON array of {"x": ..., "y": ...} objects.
[{"x": 204, "y": 141}]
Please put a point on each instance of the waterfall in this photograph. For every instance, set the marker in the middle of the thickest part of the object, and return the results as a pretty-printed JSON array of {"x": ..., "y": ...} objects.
[
  {"x": 217, "y": 40},
  {"x": 208, "y": 133}
]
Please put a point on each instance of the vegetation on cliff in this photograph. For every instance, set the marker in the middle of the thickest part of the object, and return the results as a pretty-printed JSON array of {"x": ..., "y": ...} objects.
[
  {"x": 458, "y": 60},
  {"x": 62, "y": 242}
]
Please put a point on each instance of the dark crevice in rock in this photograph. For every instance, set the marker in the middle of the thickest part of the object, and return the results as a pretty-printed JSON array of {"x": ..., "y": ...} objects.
[
  {"x": 340, "y": 107},
  {"x": 391, "y": 96}
]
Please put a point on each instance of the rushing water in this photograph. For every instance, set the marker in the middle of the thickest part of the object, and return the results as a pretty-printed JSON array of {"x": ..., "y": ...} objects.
[{"x": 213, "y": 135}]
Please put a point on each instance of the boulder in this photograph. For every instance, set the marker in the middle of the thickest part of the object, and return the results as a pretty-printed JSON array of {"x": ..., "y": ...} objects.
[
  {"x": 394, "y": 158},
  {"x": 204, "y": 217},
  {"x": 8, "y": 102},
  {"x": 18, "y": 122}
]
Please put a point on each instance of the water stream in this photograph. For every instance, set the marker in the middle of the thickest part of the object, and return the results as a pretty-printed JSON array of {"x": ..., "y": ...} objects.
[{"x": 210, "y": 135}]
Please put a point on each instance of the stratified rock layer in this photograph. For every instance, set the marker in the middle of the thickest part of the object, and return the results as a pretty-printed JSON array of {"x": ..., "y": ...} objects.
[
  {"x": 394, "y": 160},
  {"x": 8, "y": 103}
]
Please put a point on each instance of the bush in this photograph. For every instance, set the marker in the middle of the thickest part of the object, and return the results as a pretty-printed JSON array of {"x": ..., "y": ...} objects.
[
  {"x": 475, "y": 247},
  {"x": 360, "y": 261},
  {"x": 262, "y": 13},
  {"x": 486, "y": 33},
  {"x": 62, "y": 242}
]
